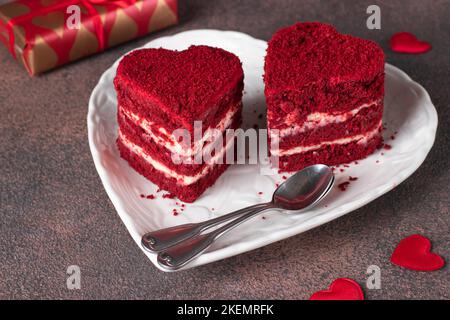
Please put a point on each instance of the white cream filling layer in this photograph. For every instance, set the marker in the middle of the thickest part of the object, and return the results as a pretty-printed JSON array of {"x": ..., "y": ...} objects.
[
  {"x": 181, "y": 179},
  {"x": 320, "y": 119},
  {"x": 162, "y": 137},
  {"x": 360, "y": 138}
]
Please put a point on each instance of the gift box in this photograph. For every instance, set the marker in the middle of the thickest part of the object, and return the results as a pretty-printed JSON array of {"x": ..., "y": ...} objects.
[{"x": 44, "y": 34}]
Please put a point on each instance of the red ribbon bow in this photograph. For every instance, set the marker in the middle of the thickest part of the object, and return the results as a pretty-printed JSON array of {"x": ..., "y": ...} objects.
[{"x": 89, "y": 4}]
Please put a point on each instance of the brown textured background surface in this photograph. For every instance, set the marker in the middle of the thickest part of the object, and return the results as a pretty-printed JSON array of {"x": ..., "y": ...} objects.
[{"x": 54, "y": 211}]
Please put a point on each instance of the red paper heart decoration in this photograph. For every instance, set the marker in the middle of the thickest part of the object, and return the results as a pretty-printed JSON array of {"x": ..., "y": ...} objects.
[
  {"x": 414, "y": 253},
  {"x": 405, "y": 42},
  {"x": 340, "y": 289}
]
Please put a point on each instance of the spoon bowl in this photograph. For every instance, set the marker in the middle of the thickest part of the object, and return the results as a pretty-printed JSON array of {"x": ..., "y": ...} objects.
[{"x": 304, "y": 189}]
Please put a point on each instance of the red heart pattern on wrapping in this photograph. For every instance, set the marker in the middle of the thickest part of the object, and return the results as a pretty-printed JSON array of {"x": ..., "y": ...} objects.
[
  {"x": 405, "y": 42},
  {"x": 340, "y": 289},
  {"x": 414, "y": 252}
]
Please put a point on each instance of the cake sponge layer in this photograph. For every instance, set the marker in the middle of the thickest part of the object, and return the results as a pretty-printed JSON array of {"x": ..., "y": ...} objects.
[
  {"x": 330, "y": 154},
  {"x": 159, "y": 152},
  {"x": 312, "y": 53},
  {"x": 364, "y": 121},
  {"x": 187, "y": 193},
  {"x": 180, "y": 87}
]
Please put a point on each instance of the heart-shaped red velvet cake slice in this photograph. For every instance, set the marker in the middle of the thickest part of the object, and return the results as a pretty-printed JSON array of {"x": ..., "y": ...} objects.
[
  {"x": 324, "y": 93},
  {"x": 414, "y": 252},
  {"x": 340, "y": 289},
  {"x": 160, "y": 91}
]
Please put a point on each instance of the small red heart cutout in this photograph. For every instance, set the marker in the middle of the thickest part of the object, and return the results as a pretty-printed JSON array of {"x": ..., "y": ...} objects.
[
  {"x": 340, "y": 289},
  {"x": 405, "y": 42},
  {"x": 414, "y": 252}
]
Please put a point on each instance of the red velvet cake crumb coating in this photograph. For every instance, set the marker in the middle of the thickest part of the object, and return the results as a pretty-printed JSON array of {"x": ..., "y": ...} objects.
[
  {"x": 324, "y": 92},
  {"x": 180, "y": 86},
  {"x": 315, "y": 52},
  {"x": 159, "y": 91}
]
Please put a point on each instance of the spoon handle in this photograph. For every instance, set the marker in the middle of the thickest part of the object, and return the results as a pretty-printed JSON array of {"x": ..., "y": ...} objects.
[
  {"x": 159, "y": 240},
  {"x": 182, "y": 253}
]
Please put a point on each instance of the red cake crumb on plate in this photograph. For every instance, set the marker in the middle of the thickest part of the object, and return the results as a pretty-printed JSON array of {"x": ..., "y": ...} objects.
[
  {"x": 160, "y": 91},
  {"x": 324, "y": 93},
  {"x": 343, "y": 186}
]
